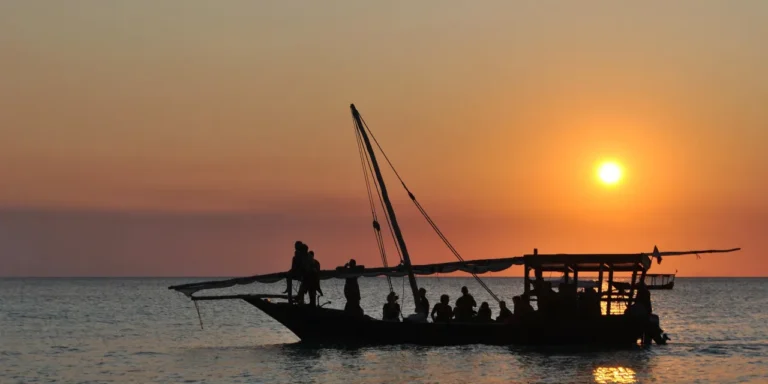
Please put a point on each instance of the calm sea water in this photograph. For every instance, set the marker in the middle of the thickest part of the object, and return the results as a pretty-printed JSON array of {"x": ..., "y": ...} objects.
[{"x": 135, "y": 330}]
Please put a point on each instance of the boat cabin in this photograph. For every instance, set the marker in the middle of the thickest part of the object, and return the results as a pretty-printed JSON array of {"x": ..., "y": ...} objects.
[{"x": 576, "y": 268}]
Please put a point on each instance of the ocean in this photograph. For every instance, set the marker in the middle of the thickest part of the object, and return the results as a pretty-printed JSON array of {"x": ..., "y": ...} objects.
[{"x": 135, "y": 330}]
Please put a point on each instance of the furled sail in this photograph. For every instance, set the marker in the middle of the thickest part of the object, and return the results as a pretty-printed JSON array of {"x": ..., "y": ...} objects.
[{"x": 469, "y": 266}]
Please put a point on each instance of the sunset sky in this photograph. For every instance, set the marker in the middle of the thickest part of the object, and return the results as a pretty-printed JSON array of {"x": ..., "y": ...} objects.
[{"x": 202, "y": 138}]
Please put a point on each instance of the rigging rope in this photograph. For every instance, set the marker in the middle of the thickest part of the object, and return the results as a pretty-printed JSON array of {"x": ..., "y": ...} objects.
[
  {"x": 376, "y": 227},
  {"x": 425, "y": 214}
]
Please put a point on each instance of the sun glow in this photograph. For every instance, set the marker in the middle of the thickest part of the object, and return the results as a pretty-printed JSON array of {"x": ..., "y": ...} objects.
[{"x": 609, "y": 173}]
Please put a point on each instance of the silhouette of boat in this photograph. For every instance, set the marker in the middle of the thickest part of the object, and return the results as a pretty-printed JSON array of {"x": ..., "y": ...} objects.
[
  {"x": 660, "y": 280},
  {"x": 313, "y": 324}
]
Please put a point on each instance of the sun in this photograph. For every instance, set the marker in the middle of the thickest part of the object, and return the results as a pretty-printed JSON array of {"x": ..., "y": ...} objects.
[{"x": 609, "y": 172}]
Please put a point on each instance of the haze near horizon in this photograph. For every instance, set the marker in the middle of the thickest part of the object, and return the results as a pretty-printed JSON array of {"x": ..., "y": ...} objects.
[{"x": 202, "y": 139}]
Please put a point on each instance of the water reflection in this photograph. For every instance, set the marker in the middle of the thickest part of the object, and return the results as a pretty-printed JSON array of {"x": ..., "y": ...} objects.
[{"x": 614, "y": 375}]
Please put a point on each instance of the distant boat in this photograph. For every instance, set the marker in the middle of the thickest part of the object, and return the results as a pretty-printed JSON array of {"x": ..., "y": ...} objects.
[
  {"x": 660, "y": 280},
  {"x": 316, "y": 324},
  {"x": 653, "y": 281}
]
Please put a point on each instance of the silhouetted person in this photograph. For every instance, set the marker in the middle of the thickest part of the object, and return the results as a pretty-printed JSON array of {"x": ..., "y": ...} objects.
[
  {"x": 643, "y": 297},
  {"x": 465, "y": 305},
  {"x": 423, "y": 305},
  {"x": 484, "y": 313},
  {"x": 567, "y": 300},
  {"x": 391, "y": 310},
  {"x": 546, "y": 299},
  {"x": 297, "y": 267},
  {"x": 442, "y": 312},
  {"x": 505, "y": 314},
  {"x": 352, "y": 292},
  {"x": 311, "y": 282},
  {"x": 524, "y": 308},
  {"x": 589, "y": 303}
]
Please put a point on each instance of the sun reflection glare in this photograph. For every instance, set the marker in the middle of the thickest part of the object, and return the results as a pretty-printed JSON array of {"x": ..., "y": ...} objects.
[{"x": 614, "y": 375}]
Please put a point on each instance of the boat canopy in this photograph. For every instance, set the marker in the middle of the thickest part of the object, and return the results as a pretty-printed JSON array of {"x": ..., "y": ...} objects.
[{"x": 555, "y": 263}]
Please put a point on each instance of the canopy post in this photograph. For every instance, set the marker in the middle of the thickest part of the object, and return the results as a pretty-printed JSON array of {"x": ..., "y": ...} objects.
[
  {"x": 632, "y": 289},
  {"x": 600, "y": 279},
  {"x": 576, "y": 276},
  {"x": 610, "y": 289}
]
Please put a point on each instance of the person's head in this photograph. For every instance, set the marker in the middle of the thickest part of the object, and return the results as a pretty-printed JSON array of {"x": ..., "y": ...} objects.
[
  {"x": 484, "y": 305},
  {"x": 444, "y": 299},
  {"x": 392, "y": 297},
  {"x": 352, "y": 263},
  {"x": 503, "y": 304},
  {"x": 464, "y": 290},
  {"x": 311, "y": 254},
  {"x": 422, "y": 292},
  {"x": 297, "y": 245},
  {"x": 590, "y": 290},
  {"x": 516, "y": 300},
  {"x": 562, "y": 287}
]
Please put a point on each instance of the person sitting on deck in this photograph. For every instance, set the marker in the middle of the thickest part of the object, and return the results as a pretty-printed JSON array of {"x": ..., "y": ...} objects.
[
  {"x": 297, "y": 266},
  {"x": 484, "y": 313},
  {"x": 391, "y": 311},
  {"x": 464, "y": 310},
  {"x": 589, "y": 303},
  {"x": 524, "y": 307},
  {"x": 505, "y": 314},
  {"x": 442, "y": 311},
  {"x": 422, "y": 308},
  {"x": 567, "y": 301},
  {"x": 352, "y": 292},
  {"x": 546, "y": 299}
]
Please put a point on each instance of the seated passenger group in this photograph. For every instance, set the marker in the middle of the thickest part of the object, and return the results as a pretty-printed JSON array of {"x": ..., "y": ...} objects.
[{"x": 564, "y": 302}]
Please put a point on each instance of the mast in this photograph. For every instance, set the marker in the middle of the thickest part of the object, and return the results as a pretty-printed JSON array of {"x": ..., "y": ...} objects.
[{"x": 388, "y": 204}]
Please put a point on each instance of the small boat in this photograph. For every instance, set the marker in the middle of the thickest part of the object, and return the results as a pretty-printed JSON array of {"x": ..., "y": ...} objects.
[
  {"x": 660, "y": 280},
  {"x": 613, "y": 323}
]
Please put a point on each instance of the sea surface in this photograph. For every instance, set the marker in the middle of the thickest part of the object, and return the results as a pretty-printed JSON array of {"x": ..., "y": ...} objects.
[{"x": 134, "y": 330}]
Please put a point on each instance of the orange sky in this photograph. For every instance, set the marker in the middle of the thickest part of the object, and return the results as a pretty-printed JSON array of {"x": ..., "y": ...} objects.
[{"x": 145, "y": 138}]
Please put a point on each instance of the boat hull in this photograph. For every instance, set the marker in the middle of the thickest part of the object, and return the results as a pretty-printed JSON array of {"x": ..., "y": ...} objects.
[{"x": 333, "y": 326}]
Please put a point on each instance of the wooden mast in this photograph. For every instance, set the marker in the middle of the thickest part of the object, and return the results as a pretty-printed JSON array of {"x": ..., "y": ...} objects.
[{"x": 388, "y": 204}]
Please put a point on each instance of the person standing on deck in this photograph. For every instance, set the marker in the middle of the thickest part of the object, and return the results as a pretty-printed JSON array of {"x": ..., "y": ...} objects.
[
  {"x": 352, "y": 292},
  {"x": 297, "y": 266},
  {"x": 312, "y": 278}
]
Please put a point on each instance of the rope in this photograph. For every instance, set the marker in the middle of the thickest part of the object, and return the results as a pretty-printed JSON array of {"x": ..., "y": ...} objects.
[
  {"x": 376, "y": 227},
  {"x": 425, "y": 214}
]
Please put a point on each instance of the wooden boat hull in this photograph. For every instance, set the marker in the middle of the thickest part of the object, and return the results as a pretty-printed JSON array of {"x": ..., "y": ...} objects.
[
  {"x": 669, "y": 285},
  {"x": 333, "y": 326}
]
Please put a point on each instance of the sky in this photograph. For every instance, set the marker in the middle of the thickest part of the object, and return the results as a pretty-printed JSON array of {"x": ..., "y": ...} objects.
[{"x": 198, "y": 138}]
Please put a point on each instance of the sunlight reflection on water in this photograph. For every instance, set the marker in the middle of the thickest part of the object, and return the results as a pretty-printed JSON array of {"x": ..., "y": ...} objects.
[{"x": 604, "y": 375}]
